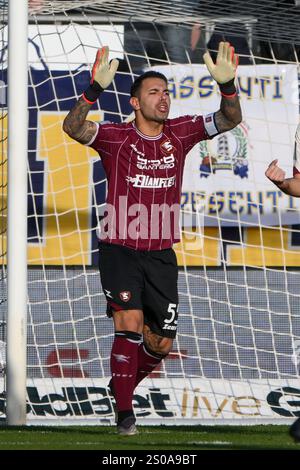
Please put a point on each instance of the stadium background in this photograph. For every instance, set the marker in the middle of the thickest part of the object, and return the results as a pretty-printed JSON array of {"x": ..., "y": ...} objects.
[{"x": 237, "y": 329}]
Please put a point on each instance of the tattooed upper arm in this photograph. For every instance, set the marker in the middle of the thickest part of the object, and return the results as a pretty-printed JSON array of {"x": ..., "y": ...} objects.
[
  {"x": 86, "y": 133},
  {"x": 222, "y": 123}
]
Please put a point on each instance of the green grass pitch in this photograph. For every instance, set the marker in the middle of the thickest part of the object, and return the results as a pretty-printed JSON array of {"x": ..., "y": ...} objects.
[{"x": 149, "y": 438}]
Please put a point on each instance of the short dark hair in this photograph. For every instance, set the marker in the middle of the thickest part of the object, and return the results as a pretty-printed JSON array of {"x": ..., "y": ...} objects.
[{"x": 135, "y": 87}]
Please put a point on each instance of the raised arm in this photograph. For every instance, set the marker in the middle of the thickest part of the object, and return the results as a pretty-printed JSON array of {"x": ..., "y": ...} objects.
[
  {"x": 75, "y": 123},
  {"x": 223, "y": 71},
  {"x": 290, "y": 186}
]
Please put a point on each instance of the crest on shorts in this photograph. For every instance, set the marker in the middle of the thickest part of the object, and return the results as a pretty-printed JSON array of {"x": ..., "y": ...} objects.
[{"x": 125, "y": 295}]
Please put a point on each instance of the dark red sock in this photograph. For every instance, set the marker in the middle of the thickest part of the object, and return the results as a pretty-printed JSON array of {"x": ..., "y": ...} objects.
[
  {"x": 123, "y": 364},
  {"x": 147, "y": 362}
]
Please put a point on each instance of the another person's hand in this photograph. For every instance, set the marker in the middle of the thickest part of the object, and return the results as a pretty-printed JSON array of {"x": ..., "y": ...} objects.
[
  {"x": 274, "y": 173},
  {"x": 223, "y": 71}
]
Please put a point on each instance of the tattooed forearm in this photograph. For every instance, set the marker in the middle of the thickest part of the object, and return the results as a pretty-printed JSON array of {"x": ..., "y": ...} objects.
[
  {"x": 76, "y": 117},
  {"x": 75, "y": 124},
  {"x": 229, "y": 115}
]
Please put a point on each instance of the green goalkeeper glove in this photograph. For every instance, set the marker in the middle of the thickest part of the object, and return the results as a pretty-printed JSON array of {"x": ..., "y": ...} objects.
[
  {"x": 223, "y": 71},
  {"x": 102, "y": 75}
]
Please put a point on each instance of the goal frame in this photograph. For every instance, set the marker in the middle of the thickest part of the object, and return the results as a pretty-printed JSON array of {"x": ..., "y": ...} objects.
[{"x": 17, "y": 213}]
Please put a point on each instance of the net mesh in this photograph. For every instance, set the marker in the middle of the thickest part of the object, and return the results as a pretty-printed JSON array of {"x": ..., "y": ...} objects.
[
  {"x": 273, "y": 19},
  {"x": 239, "y": 318}
]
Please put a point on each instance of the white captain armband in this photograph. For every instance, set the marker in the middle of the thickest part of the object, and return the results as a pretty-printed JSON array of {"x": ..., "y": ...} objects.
[{"x": 210, "y": 125}]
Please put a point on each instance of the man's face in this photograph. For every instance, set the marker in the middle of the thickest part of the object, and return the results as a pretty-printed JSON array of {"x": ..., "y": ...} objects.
[{"x": 153, "y": 101}]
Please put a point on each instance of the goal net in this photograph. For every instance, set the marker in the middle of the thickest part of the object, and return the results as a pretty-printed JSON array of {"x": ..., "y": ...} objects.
[{"x": 237, "y": 353}]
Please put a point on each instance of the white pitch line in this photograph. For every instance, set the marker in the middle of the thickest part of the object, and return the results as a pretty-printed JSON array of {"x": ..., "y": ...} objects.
[{"x": 223, "y": 443}]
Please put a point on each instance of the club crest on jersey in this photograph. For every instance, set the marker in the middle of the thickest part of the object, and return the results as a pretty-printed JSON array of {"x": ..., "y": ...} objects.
[
  {"x": 125, "y": 295},
  {"x": 167, "y": 148}
]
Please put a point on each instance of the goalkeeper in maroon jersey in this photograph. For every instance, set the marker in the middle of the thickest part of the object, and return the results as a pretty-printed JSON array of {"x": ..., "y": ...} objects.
[{"x": 143, "y": 161}]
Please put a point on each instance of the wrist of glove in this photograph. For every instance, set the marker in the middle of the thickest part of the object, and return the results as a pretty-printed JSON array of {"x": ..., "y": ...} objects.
[
  {"x": 228, "y": 89},
  {"x": 102, "y": 75},
  {"x": 92, "y": 93}
]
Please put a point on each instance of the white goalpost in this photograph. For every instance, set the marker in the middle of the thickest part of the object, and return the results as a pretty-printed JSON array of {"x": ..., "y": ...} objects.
[
  {"x": 236, "y": 356},
  {"x": 17, "y": 213}
]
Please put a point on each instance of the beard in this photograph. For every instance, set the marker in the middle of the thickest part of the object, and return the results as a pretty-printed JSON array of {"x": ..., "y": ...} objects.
[{"x": 155, "y": 116}]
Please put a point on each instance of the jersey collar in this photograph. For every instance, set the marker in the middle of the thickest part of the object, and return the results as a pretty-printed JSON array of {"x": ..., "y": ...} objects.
[{"x": 144, "y": 136}]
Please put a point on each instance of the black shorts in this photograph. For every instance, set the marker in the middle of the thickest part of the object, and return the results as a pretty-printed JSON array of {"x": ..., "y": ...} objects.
[{"x": 144, "y": 280}]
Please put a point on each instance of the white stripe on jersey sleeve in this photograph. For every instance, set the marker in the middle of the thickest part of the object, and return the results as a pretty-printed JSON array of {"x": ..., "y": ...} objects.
[
  {"x": 297, "y": 149},
  {"x": 94, "y": 137},
  {"x": 209, "y": 124}
]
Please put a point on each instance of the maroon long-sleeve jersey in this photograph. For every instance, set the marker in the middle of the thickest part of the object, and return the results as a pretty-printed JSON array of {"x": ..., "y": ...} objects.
[{"x": 144, "y": 176}]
